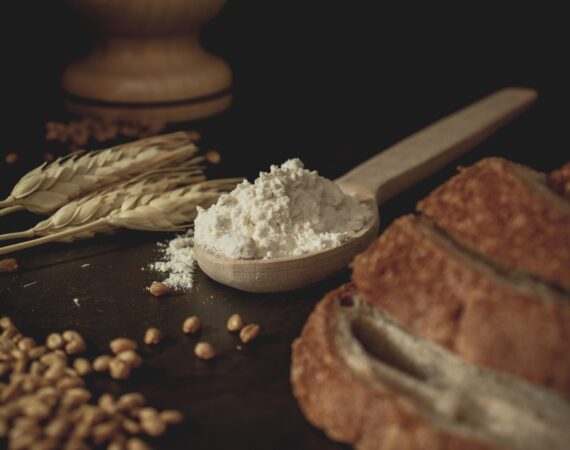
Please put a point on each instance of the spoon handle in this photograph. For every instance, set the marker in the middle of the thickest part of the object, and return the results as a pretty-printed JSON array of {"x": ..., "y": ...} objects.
[{"x": 419, "y": 155}]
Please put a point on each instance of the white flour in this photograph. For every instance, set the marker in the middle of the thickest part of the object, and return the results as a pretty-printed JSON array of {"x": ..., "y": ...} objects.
[
  {"x": 178, "y": 261},
  {"x": 287, "y": 211}
]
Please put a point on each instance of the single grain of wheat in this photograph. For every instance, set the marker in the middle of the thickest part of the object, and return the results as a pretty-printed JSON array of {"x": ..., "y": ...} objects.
[
  {"x": 191, "y": 325},
  {"x": 152, "y": 336},
  {"x": 249, "y": 332},
  {"x": 121, "y": 344},
  {"x": 204, "y": 350},
  {"x": 235, "y": 323}
]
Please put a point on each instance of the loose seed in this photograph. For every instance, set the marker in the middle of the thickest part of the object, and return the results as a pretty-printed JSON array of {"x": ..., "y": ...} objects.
[
  {"x": 235, "y": 323},
  {"x": 130, "y": 401},
  {"x": 191, "y": 325},
  {"x": 82, "y": 366},
  {"x": 92, "y": 415},
  {"x": 249, "y": 332},
  {"x": 26, "y": 344},
  {"x": 101, "y": 363},
  {"x": 107, "y": 403},
  {"x": 131, "y": 426},
  {"x": 69, "y": 383},
  {"x": 137, "y": 444},
  {"x": 18, "y": 354},
  {"x": 37, "y": 352},
  {"x": 54, "y": 341},
  {"x": 213, "y": 157},
  {"x": 147, "y": 413},
  {"x": 118, "y": 443},
  {"x": 8, "y": 265},
  {"x": 131, "y": 357},
  {"x": 35, "y": 409},
  {"x": 55, "y": 371},
  {"x": 55, "y": 356},
  {"x": 204, "y": 350},
  {"x": 11, "y": 158},
  {"x": 171, "y": 417},
  {"x": 6, "y": 322},
  {"x": 47, "y": 393},
  {"x": 71, "y": 335},
  {"x": 119, "y": 370},
  {"x": 75, "y": 346},
  {"x": 121, "y": 344},
  {"x": 153, "y": 426},
  {"x": 75, "y": 396},
  {"x": 152, "y": 336},
  {"x": 57, "y": 427},
  {"x": 158, "y": 289},
  {"x": 21, "y": 441},
  {"x": 104, "y": 432},
  {"x": 10, "y": 333}
]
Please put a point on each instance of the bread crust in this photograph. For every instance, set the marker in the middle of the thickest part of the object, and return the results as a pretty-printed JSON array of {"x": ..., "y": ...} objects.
[
  {"x": 436, "y": 295},
  {"x": 494, "y": 208},
  {"x": 348, "y": 407},
  {"x": 559, "y": 180}
]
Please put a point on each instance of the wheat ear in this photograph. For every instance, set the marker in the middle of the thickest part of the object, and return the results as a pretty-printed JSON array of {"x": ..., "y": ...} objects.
[
  {"x": 100, "y": 203},
  {"x": 50, "y": 186},
  {"x": 173, "y": 210}
]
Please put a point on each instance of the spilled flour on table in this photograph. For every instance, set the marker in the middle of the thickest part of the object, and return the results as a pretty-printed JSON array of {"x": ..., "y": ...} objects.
[{"x": 177, "y": 261}]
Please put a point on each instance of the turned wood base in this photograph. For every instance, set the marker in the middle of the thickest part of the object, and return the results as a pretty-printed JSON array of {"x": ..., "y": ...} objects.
[{"x": 148, "y": 63}]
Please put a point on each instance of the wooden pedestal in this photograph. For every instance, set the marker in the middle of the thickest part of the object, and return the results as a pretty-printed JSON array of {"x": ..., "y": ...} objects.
[{"x": 148, "y": 63}]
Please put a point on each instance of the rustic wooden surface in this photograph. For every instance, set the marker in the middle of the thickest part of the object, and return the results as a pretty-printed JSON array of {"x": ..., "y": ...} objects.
[
  {"x": 241, "y": 400},
  {"x": 333, "y": 96}
]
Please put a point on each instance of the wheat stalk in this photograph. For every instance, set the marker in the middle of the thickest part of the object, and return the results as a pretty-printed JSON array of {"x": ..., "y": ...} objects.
[
  {"x": 51, "y": 186},
  {"x": 172, "y": 210},
  {"x": 100, "y": 203}
]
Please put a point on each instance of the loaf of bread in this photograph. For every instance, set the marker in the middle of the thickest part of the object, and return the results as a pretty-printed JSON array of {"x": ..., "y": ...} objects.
[
  {"x": 369, "y": 382},
  {"x": 491, "y": 316},
  {"x": 506, "y": 212},
  {"x": 455, "y": 333},
  {"x": 559, "y": 180}
]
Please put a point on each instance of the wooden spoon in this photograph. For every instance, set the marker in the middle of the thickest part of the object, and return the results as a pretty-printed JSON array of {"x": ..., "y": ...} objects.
[{"x": 374, "y": 182}]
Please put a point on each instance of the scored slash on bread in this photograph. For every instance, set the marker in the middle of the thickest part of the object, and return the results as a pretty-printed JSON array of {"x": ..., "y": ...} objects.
[
  {"x": 368, "y": 381},
  {"x": 490, "y": 316},
  {"x": 507, "y": 212}
]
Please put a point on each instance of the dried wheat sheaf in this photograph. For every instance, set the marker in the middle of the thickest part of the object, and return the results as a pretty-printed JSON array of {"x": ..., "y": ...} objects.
[{"x": 50, "y": 186}]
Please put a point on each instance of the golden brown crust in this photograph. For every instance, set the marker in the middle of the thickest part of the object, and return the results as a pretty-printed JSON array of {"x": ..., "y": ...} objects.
[
  {"x": 559, "y": 180},
  {"x": 490, "y": 207},
  {"x": 345, "y": 406},
  {"x": 440, "y": 297}
]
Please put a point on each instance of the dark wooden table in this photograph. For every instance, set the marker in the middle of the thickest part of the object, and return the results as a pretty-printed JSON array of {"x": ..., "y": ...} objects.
[
  {"x": 242, "y": 399},
  {"x": 319, "y": 96}
]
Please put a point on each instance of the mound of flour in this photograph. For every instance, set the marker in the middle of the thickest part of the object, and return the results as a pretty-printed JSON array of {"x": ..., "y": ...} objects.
[{"x": 287, "y": 211}]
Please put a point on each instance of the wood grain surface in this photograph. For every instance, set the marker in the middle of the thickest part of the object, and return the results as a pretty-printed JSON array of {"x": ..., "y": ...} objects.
[{"x": 338, "y": 85}]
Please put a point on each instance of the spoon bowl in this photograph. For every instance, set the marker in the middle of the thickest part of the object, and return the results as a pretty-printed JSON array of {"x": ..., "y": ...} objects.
[
  {"x": 374, "y": 182},
  {"x": 291, "y": 272}
]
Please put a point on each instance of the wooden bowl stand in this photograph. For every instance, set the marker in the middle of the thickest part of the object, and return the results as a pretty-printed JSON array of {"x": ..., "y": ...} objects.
[{"x": 148, "y": 63}]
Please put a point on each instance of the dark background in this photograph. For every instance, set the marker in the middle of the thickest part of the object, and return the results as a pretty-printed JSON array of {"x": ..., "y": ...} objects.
[
  {"x": 325, "y": 80},
  {"x": 330, "y": 83}
]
